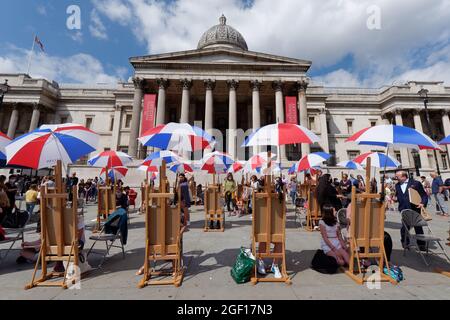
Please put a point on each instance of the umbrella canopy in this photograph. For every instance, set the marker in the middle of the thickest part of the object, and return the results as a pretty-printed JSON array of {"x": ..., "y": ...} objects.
[
  {"x": 216, "y": 162},
  {"x": 352, "y": 165},
  {"x": 236, "y": 167},
  {"x": 311, "y": 160},
  {"x": 146, "y": 168},
  {"x": 110, "y": 159},
  {"x": 258, "y": 161},
  {"x": 116, "y": 173},
  {"x": 43, "y": 147},
  {"x": 156, "y": 158},
  {"x": 392, "y": 135},
  {"x": 181, "y": 168},
  {"x": 177, "y": 136},
  {"x": 280, "y": 134},
  {"x": 445, "y": 141},
  {"x": 377, "y": 160},
  {"x": 4, "y": 141}
]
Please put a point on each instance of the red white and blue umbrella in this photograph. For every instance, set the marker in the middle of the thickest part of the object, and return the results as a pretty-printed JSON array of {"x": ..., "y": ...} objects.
[
  {"x": 256, "y": 162},
  {"x": 392, "y": 135},
  {"x": 351, "y": 165},
  {"x": 181, "y": 168},
  {"x": 156, "y": 158},
  {"x": 116, "y": 173},
  {"x": 280, "y": 134},
  {"x": 216, "y": 162},
  {"x": 177, "y": 136},
  {"x": 311, "y": 160},
  {"x": 445, "y": 141},
  {"x": 146, "y": 168},
  {"x": 377, "y": 160},
  {"x": 43, "y": 147},
  {"x": 236, "y": 167},
  {"x": 110, "y": 159},
  {"x": 4, "y": 141}
]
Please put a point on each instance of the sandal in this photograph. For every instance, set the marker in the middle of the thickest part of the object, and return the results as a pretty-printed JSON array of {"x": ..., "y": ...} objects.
[{"x": 140, "y": 272}]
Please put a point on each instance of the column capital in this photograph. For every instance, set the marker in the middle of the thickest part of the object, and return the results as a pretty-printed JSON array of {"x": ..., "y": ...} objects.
[
  {"x": 36, "y": 106},
  {"x": 15, "y": 106},
  {"x": 323, "y": 110},
  {"x": 278, "y": 85},
  {"x": 256, "y": 85},
  {"x": 416, "y": 112},
  {"x": 210, "y": 84},
  {"x": 398, "y": 111},
  {"x": 386, "y": 115},
  {"x": 118, "y": 107},
  {"x": 302, "y": 85},
  {"x": 233, "y": 84},
  {"x": 443, "y": 112},
  {"x": 186, "y": 83},
  {"x": 139, "y": 83},
  {"x": 162, "y": 83}
]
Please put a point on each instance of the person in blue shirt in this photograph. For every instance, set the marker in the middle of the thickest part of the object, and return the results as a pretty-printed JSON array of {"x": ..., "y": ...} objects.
[{"x": 437, "y": 190}]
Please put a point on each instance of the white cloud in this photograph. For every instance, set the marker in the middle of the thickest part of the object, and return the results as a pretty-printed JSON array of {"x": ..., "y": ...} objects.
[
  {"x": 78, "y": 68},
  {"x": 323, "y": 31},
  {"x": 42, "y": 10},
  {"x": 337, "y": 78},
  {"x": 76, "y": 36},
  {"x": 97, "y": 28}
]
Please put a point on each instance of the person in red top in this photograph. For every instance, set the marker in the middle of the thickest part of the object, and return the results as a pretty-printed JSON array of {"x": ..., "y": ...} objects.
[{"x": 132, "y": 195}]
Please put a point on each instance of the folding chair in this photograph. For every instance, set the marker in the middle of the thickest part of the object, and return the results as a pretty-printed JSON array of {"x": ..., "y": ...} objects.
[
  {"x": 411, "y": 219},
  {"x": 343, "y": 222},
  {"x": 113, "y": 222},
  {"x": 12, "y": 236},
  {"x": 301, "y": 211}
]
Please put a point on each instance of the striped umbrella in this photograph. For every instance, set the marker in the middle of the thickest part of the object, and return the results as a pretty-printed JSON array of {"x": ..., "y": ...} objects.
[
  {"x": 377, "y": 160},
  {"x": 393, "y": 136},
  {"x": 156, "y": 158},
  {"x": 351, "y": 165},
  {"x": 445, "y": 141},
  {"x": 181, "y": 168},
  {"x": 4, "y": 141},
  {"x": 177, "y": 136},
  {"x": 110, "y": 159},
  {"x": 311, "y": 160},
  {"x": 216, "y": 162},
  {"x": 115, "y": 173},
  {"x": 236, "y": 167},
  {"x": 43, "y": 147},
  {"x": 256, "y": 162}
]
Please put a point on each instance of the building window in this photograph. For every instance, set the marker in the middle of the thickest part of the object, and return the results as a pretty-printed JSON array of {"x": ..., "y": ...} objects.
[
  {"x": 398, "y": 156},
  {"x": 123, "y": 149},
  {"x": 312, "y": 123},
  {"x": 107, "y": 149},
  {"x": 352, "y": 154},
  {"x": 444, "y": 161},
  {"x": 350, "y": 126},
  {"x": 173, "y": 115},
  {"x": 128, "y": 121},
  {"x": 89, "y": 121},
  {"x": 373, "y": 123},
  {"x": 83, "y": 160},
  {"x": 63, "y": 120},
  {"x": 111, "y": 124}
]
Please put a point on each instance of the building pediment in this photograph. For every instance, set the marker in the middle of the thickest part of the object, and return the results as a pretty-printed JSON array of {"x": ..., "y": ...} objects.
[{"x": 219, "y": 56}]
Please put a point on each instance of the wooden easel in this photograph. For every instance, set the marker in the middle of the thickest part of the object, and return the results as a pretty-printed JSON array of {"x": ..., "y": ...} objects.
[
  {"x": 59, "y": 242},
  {"x": 268, "y": 226},
  {"x": 367, "y": 232},
  {"x": 106, "y": 202},
  {"x": 163, "y": 237},
  {"x": 213, "y": 209},
  {"x": 313, "y": 214}
]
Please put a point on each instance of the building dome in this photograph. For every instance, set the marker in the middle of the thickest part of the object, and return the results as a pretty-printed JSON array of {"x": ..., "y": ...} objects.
[{"x": 222, "y": 34}]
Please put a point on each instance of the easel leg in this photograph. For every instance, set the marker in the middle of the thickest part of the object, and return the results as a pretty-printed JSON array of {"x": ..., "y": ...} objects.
[{"x": 32, "y": 284}]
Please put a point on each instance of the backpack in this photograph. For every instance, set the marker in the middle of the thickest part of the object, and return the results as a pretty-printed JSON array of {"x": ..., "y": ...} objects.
[
  {"x": 323, "y": 263},
  {"x": 16, "y": 220},
  {"x": 394, "y": 272}
]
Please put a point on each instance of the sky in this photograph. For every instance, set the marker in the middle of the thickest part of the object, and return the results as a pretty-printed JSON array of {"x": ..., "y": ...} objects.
[{"x": 351, "y": 43}]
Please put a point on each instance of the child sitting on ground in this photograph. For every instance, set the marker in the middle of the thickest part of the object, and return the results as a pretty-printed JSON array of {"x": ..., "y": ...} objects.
[{"x": 332, "y": 243}]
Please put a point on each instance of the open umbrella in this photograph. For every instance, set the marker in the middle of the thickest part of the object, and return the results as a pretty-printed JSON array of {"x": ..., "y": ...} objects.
[
  {"x": 44, "y": 147},
  {"x": 115, "y": 173},
  {"x": 378, "y": 160},
  {"x": 110, "y": 159},
  {"x": 256, "y": 162},
  {"x": 351, "y": 165},
  {"x": 445, "y": 141},
  {"x": 4, "y": 141},
  {"x": 311, "y": 160},
  {"x": 181, "y": 168},
  {"x": 280, "y": 134},
  {"x": 216, "y": 162},
  {"x": 236, "y": 166},
  {"x": 156, "y": 158}
]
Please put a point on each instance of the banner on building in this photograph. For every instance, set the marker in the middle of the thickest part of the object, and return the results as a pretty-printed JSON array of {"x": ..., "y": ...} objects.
[
  {"x": 291, "y": 110},
  {"x": 148, "y": 112}
]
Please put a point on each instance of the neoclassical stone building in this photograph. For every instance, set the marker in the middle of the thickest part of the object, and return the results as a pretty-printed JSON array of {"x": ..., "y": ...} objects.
[{"x": 227, "y": 89}]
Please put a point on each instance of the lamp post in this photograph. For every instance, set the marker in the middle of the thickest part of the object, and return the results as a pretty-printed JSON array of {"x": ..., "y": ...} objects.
[
  {"x": 423, "y": 93},
  {"x": 4, "y": 88}
]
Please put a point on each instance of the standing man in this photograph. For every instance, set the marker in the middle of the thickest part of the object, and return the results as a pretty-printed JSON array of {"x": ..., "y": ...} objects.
[
  {"x": 437, "y": 190},
  {"x": 402, "y": 197},
  {"x": 73, "y": 182}
]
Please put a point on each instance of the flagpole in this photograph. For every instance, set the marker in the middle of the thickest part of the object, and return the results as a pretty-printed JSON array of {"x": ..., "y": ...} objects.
[{"x": 31, "y": 55}]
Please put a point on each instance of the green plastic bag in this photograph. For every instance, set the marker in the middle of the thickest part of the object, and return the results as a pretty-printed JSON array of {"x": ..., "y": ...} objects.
[{"x": 243, "y": 266}]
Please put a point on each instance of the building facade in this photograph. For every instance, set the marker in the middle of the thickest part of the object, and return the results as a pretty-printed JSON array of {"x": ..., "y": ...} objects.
[{"x": 229, "y": 90}]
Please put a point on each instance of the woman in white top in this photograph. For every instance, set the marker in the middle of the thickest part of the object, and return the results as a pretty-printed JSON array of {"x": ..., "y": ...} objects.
[{"x": 332, "y": 243}]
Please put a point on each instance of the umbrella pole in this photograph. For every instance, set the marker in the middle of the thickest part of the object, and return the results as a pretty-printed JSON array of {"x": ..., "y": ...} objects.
[
  {"x": 383, "y": 177},
  {"x": 162, "y": 178},
  {"x": 58, "y": 176},
  {"x": 368, "y": 171}
]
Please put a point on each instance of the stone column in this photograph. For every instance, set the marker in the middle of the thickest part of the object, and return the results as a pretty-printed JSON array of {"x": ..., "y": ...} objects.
[
  {"x": 279, "y": 110},
  {"x": 403, "y": 151},
  {"x": 185, "y": 100},
  {"x": 136, "y": 116},
  {"x": 422, "y": 153},
  {"x": 116, "y": 127},
  {"x": 324, "y": 131},
  {"x": 232, "y": 117},
  {"x": 35, "y": 117},
  {"x": 209, "y": 105},
  {"x": 163, "y": 84},
  {"x": 13, "y": 122},
  {"x": 303, "y": 110},
  {"x": 256, "y": 110},
  {"x": 446, "y": 124}
]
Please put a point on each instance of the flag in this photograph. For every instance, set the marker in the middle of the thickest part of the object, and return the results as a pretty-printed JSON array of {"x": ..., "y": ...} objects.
[{"x": 39, "y": 43}]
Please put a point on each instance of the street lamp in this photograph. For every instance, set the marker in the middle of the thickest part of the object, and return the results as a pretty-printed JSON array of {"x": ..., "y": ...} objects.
[
  {"x": 4, "y": 88},
  {"x": 423, "y": 93}
]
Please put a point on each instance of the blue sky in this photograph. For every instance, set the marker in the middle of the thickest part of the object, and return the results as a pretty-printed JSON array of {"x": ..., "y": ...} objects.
[{"x": 351, "y": 42}]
